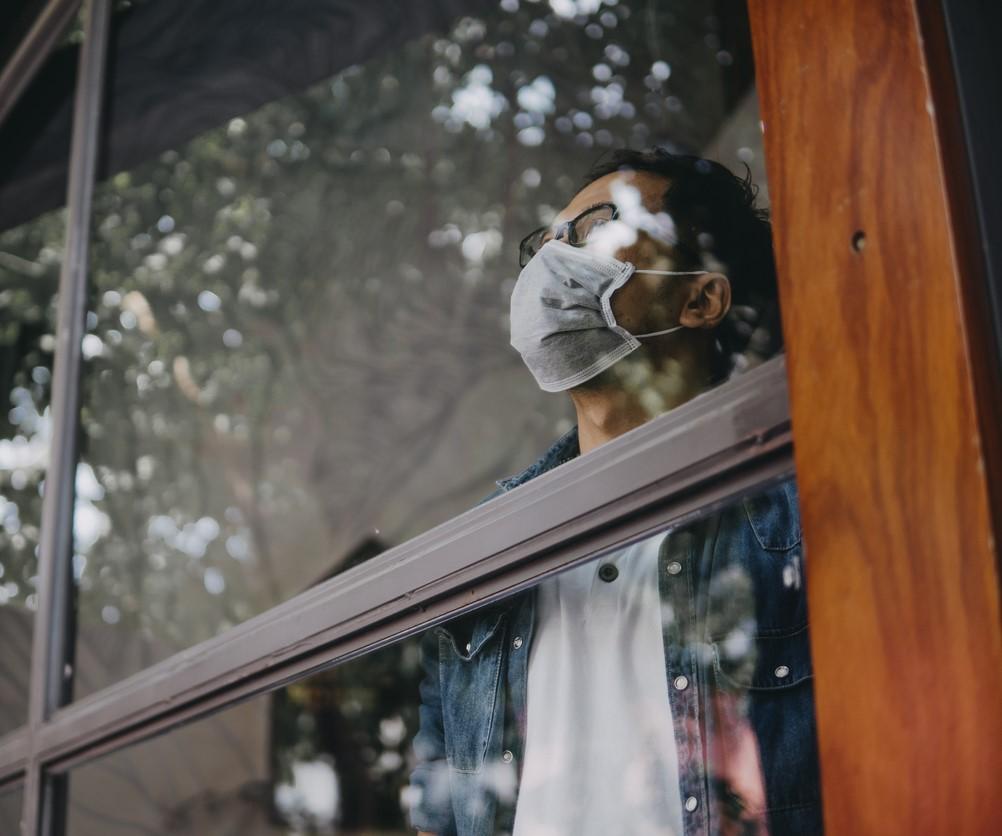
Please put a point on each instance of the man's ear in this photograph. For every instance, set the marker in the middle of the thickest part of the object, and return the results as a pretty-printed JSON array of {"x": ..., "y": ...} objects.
[{"x": 708, "y": 303}]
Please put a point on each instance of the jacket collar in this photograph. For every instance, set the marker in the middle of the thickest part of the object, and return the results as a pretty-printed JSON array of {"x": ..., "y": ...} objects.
[{"x": 562, "y": 450}]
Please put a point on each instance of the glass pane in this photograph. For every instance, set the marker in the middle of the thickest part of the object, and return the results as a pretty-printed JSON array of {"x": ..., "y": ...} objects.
[
  {"x": 301, "y": 315},
  {"x": 31, "y": 257},
  {"x": 665, "y": 687},
  {"x": 10, "y": 809}
]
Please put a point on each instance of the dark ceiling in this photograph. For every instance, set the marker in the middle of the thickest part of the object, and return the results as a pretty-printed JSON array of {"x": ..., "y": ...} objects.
[{"x": 178, "y": 69}]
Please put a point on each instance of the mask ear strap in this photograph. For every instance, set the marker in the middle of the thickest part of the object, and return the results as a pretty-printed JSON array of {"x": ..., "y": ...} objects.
[
  {"x": 658, "y": 333},
  {"x": 668, "y": 273},
  {"x": 675, "y": 272}
]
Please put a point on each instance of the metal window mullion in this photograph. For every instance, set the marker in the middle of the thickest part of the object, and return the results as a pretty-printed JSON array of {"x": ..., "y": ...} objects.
[
  {"x": 50, "y": 642},
  {"x": 700, "y": 455},
  {"x": 31, "y": 53}
]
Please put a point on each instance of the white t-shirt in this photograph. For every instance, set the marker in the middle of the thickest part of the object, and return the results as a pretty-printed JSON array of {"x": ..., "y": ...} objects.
[{"x": 600, "y": 753}]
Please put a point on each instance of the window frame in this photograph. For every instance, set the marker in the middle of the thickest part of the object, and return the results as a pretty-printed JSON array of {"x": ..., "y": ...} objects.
[
  {"x": 897, "y": 401},
  {"x": 680, "y": 465}
]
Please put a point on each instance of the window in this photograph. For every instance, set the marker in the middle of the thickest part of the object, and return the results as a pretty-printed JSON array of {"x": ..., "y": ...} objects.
[
  {"x": 300, "y": 314},
  {"x": 325, "y": 545}
]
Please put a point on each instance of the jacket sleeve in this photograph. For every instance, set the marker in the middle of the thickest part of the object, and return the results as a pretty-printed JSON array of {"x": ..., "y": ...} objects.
[{"x": 429, "y": 793}]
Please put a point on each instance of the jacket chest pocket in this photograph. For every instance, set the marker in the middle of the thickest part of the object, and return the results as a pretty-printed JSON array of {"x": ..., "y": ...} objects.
[
  {"x": 774, "y": 662},
  {"x": 775, "y": 686},
  {"x": 774, "y": 559},
  {"x": 470, "y": 660}
]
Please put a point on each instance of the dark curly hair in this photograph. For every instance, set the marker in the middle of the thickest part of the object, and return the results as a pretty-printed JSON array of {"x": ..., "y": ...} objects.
[{"x": 716, "y": 216}]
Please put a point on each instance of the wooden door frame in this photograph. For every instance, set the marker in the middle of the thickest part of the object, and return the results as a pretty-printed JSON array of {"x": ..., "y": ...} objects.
[{"x": 894, "y": 391}]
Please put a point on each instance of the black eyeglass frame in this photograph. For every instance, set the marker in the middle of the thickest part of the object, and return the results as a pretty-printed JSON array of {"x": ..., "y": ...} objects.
[{"x": 568, "y": 229}]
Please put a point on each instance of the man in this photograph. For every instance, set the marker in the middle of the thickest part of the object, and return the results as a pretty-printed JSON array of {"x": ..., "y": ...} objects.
[{"x": 665, "y": 688}]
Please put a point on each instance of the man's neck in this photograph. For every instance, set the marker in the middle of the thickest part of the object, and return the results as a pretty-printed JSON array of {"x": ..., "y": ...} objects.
[{"x": 616, "y": 407}]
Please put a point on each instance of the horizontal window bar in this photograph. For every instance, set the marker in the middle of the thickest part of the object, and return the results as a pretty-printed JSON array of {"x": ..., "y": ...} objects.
[{"x": 691, "y": 460}]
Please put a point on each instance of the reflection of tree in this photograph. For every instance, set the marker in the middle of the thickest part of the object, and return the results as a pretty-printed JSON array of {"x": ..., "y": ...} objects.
[
  {"x": 30, "y": 258},
  {"x": 236, "y": 771},
  {"x": 362, "y": 716},
  {"x": 298, "y": 334}
]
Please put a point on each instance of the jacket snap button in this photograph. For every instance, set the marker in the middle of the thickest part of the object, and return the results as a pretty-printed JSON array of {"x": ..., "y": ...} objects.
[
  {"x": 517, "y": 643},
  {"x": 469, "y": 646},
  {"x": 608, "y": 572},
  {"x": 674, "y": 567},
  {"x": 782, "y": 671},
  {"x": 691, "y": 803},
  {"x": 507, "y": 756},
  {"x": 681, "y": 683}
]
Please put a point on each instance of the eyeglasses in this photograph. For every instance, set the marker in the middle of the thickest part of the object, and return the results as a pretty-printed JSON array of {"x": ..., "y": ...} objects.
[{"x": 575, "y": 232}]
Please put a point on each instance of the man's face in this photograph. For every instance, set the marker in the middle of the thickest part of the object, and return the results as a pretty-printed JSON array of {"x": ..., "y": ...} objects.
[{"x": 640, "y": 235}]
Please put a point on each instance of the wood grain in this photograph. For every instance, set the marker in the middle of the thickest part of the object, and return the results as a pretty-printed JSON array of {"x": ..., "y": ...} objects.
[{"x": 885, "y": 362}]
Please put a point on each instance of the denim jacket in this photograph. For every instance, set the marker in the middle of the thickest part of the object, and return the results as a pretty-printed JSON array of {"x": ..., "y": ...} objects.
[{"x": 734, "y": 584}]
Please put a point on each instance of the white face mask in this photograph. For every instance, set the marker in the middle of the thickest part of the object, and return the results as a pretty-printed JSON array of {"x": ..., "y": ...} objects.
[{"x": 561, "y": 315}]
